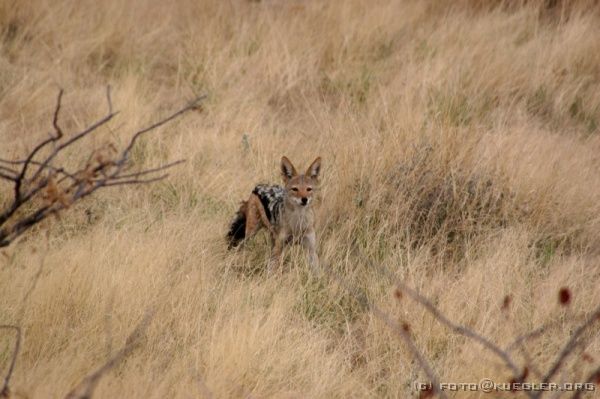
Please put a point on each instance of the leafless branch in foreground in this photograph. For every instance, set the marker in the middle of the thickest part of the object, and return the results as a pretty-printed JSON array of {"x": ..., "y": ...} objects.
[
  {"x": 85, "y": 389},
  {"x": 47, "y": 189},
  {"x": 576, "y": 340},
  {"x": 457, "y": 328},
  {"x": 571, "y": 345},
  {"x": 567, "y": 350},
  {"x": 402, "y": 331},
  {"x": 5, "y": 391}
]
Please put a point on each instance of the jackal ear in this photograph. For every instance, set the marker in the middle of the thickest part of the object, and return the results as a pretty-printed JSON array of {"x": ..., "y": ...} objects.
[
  {"x": 287, "y": 169},
  {"x": 314, "y": 169}
]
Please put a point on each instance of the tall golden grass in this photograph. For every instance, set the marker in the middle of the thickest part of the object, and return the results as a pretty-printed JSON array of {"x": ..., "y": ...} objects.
[{"x": 460, "y": 144}]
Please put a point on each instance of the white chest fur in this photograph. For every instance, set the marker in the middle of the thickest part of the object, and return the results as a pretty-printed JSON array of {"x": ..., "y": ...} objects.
[{"x": 297, "y": 220}]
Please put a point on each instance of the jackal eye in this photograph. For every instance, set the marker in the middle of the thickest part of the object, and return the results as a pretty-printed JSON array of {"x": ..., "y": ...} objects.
[
  {"x": 294, "y": 188},
  {"x": 309, "y": 189}
]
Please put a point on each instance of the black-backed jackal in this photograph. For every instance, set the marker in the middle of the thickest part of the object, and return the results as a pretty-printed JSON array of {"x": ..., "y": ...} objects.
[{"x": 284, "y": 210}]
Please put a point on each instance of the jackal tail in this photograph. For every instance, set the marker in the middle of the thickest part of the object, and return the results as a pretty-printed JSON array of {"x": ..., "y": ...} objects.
[{"x": 237, "y": 229}]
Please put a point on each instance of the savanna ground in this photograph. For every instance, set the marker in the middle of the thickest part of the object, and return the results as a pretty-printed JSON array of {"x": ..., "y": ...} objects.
[{"x": 460, "y": 143}]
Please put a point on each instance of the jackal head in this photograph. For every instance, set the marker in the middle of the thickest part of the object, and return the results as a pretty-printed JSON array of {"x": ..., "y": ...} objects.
[{"x": 300, "y": 188}]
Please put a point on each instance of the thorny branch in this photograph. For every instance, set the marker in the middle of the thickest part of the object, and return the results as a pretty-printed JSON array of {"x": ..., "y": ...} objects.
[{"x": 48, "y": 189}]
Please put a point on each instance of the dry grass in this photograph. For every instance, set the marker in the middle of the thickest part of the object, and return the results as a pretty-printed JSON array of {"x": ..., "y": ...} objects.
[{"x": 460, "y": 144}]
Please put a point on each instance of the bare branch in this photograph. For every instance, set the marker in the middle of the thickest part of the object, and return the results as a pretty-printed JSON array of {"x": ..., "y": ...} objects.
[
  {"x": 58, "y": 130},
  {"x": 570, "y": 346},
  {"x": 528, "y": 361},
  {"x": 8, "y": 170},
  {"x": 91, "y": 129},
  {"x": 402, "y": 332},
  {"x": 148, "y": 171},
  {"x": 135, "y": 181},
  {"x": 8, "y": 177},
  {"x": 5, "y": 391},
  {"x": 437, "y": 314},
  {"x": 85, "y": 389},
  {"x": 58, "y": 171},
  {"x": 192, "y": 105},
  {"x": 52, "y": 189},
  {"x": 568, "y": 349},
  {"x": 531, "y": 335},
  {"x": 39, "y": 147},
  {"x": 459, "y": 329}
]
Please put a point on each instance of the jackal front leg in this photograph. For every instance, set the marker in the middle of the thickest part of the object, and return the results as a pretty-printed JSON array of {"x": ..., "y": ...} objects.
[
  {"x": 310, "y": 244},
  {"x": 278, "y": 243}
]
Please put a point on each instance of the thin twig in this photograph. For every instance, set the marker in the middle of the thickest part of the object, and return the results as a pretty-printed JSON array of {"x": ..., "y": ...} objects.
[
  {"x": 8, "y": 177},
  {"x": 5, "y": 391},
  {"x": 459, "y": 329},
  {"x": 85, "y": 389},
  {"x": 38, "y": 148},
  {"x": 528, "y": 361},
  {"x": 192, "y": 105},
  {"x": 136, "y": 181},
  {"x": 59, "y": 171},
  {"x": 148, "y": 171},
  {"x": 401, "y": 332},
  {"x": 89, "y": 130},
  {"x": 57, "y": 128},
  {"x": 531, "y": 335},
  {"x": 406, "y": 337},
  {"x": 569, "y": 347},
  {"x": 8, "y": 170}
]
